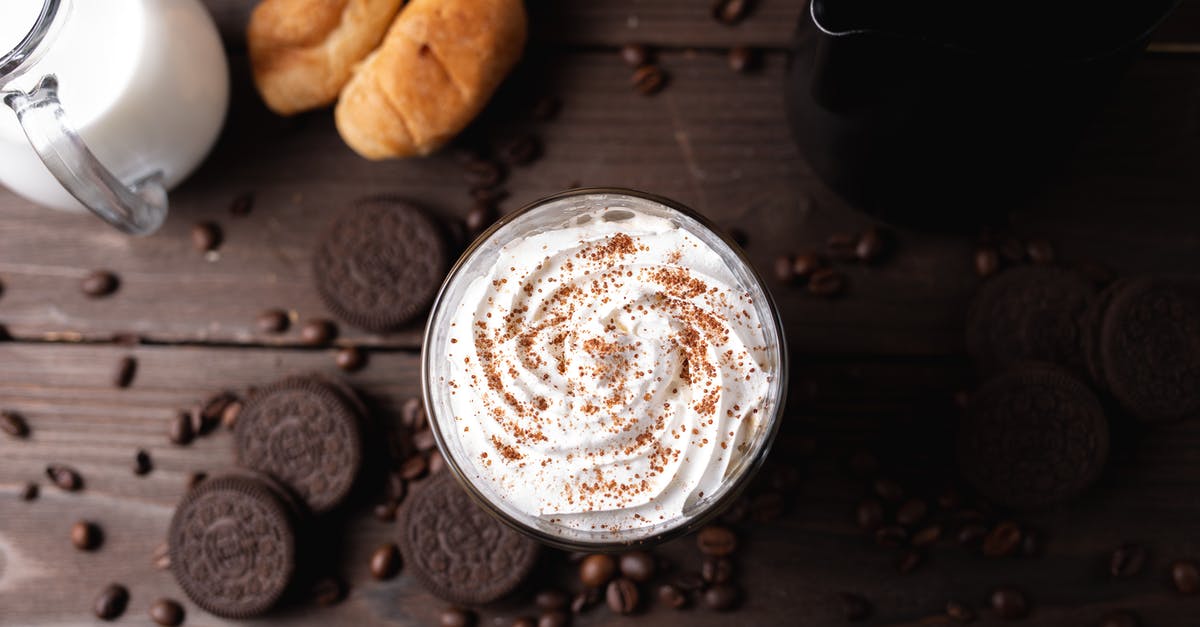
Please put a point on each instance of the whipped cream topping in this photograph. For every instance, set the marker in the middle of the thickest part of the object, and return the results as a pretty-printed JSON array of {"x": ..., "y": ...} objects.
[{"x": 607, "y": 374}]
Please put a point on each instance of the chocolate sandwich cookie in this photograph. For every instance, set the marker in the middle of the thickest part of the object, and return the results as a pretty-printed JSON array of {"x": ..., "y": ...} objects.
[
  {"x": 1090, "y": 330},
  {"x": 380, "y": 264},
  {"x": 1032, "y": 437},
  {"x": 1028, "y": 313},
  {"x": 305, "y": 432},
  {"x": 233, "y": 544},
  {"x": 457, "y": 550},
  {"x": 1150, "y": 348}
]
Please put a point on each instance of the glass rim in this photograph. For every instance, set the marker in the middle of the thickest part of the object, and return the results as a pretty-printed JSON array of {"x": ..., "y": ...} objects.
[
  {"x": 731, "y": 491},
  {"x": 13, "y": 62}
]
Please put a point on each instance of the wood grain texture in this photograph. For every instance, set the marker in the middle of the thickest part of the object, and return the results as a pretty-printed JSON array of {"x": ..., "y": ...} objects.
[{"x": 790, "y": 568}]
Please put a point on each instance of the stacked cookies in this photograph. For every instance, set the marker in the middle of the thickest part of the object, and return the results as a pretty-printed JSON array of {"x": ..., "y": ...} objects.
[{"x": 1036, "y": 433}]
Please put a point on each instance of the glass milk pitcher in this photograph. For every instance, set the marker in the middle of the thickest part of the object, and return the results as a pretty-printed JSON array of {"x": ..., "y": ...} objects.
[{"x": 115, "y": 101}]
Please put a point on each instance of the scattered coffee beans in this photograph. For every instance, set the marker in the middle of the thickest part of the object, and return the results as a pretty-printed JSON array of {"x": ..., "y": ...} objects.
[
  {"x": 584, "y": 600},
  {"x": 386, "y": 511},
  {"x": 596, "y": 570},
  {"x": 206, "y": 236},
  {"x": 551, "y": 599},
  {"x": 783, "y": 268},
  {"x": 412, "y": 413},
  {"x": 671, "y": 596},
  {"x": 909, "y": 561},
  {"x": 161, "y": 558},
  {"x": 1127, "y": 560},
  {"x": 480, "y": 217},
  {"x": 1186, "y": 576},
  {"x": 99, "y": 284},
  {"x": 318, "y": 332},
  {"x": 483, "y": 173},
  {"x": 911, "y": 512},
  {"x": 13, "y": 424},
  {"x": 1040, "y": 251},
  {"x": 523, "y": 149},
  {"x": 926, "y": 536},
  {"x": 649, "y": 80},
  {"x": 869, "y": 514},
  {"x": 891, "y": 536},
  {"x": 987, "y": 261},
  {"x": 85, "y": 535},
  {"x": 730, "y": 12},
  {"x": 415, "y": 467},
  {"x": 805, "y": 264},
  {"x": 872, "y": 245},
  {"x": 456, "y": 617},
  {"x": 273, "y": 321},
  {"x": 351, "y": 358},
  {"x": 65, "y": 477},
  {"x": 554, "y": 618},
  {"x": 195, "y": 478},
  {"x": 29, "y": 492},
  {"x": 328, "y": 591},
  {"x": 181, "y": 431},
  {"x": 716, "y": 541},
  {"x": 524, "y": 621},
  {"x": 826, "y": 282},
  {"x": 229, "y": 415},
  {"x": 742, "y": 58},
  {"x": 1003, "y": 540},
  {"x": 971, "y": 534},
  {"x": 721, "y": 596},
  {"x": 111, "y": 602},
  {"x": 141, "y": 463},
  {"x": 959, "y": 612},
  {"x": 385, "y": 562},
  {"x": 717, "y": 570},
  {"x": 1009, "y": 603},
  {"x": 166, "y": 612},
  {"x": 622, "y": 596},
  {"x": 638, "y": 566},
  {"x": 635, "y": 55}
]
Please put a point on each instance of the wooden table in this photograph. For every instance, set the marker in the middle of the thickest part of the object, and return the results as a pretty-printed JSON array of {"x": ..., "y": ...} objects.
[{"x": 869, "y": 364}]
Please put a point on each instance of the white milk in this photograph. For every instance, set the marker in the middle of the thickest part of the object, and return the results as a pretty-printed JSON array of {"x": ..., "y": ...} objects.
[{"x": 144, "y": 82}]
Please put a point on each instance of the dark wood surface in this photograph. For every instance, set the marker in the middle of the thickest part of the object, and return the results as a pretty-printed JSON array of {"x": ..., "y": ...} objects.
[{"x": 870, "y": 365}]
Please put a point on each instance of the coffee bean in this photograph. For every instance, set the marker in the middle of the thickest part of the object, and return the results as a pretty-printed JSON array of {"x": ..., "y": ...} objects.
[
  {"x": 385, "y": 562},
  {"x": 161, "y": 558},
  {"x": 13, "y": 424},
  {"x": 959, "y": 612},
  {"x": 524, "y": 621},
  {"x": 742, "y": 59},
  {"x": 181, "y": 431},
  {"x": 318, "y": 332},
  {"x": 855, "y": 607},
  {"x": 554, "y": 618},
  {"x": 546, "y": 108},
  {"x": 483, "y": 173},
  {"x": 1003, "y": 540},
  {"x": 911, "y": 512},
  {"x": 890, "y": 536},
  {"x": 242, "y": 204},
  {"x": 672, "y": 597},
  {"x": 386, "y": 511},
  {"x": 1127, "y": 560},
  {"x": 842, "y": 247},
  {"x": 551, "y": 599},
  {"x": 141, "y": 463},
  {"x": 690, "y": 582},
  {"x": 649, "y": 80},
  {"x": 721, "y": 597},
  {"x": 716, "y": 541},
  {"x": 584, "y": 600},
  {"x": 717, "y": 570},
  {"x": 805, "y": 264},
  {"x": 328, "y": 591},
  {"x": 1009, "y": 603},
  {"x": 86, "y": 536},
  {"x": 987, "y": 261},
  {"x": 456, "y": 617},
  {"x": 29, "y": 492},
  {"x": 767, "y": 507},
  {"x": 909, "y": 562},
  {"x": 166, "y": 612},
  {"x": 872, "y": 245},
  {"x": 350, "y": 358},
  {"x": 927, "y": 536},
  {"x": 635, "y": 55},
  {"x": 1119, "y": 618},
  {"x": 436, "y": 462},
  {"x": 273, "y": 321},
  {"x": 596, "y": 570},
  {"x": 971, "y": 534},
  {"x": 826, "y": 282},
  {"x": 111, "y": 602},
  {"x": 1040, "y": 251},
  {"x": 622, "y": 595},
  {"x": 202, "y": 423},
  {"x": 415, "y": 467},
  {"x": 1186, "y": 576},
  {"x": 889, "y": 490},
  {"x": 479, "y": 218},
  {"x": 195, "y": 478},
  {"x": 206, "y": 236},
  {"x": 730, "y": 12},
  {"x": 65, "y": 477},
  {"x": 783, "y": 267},
  {"x": 230, "y": 414},
  {"x": 412, "y": 413},
  {"x": 637, "y": 565},
  {"x": 213, "y": 410},
  {"x": 424, "y": 440},
  {"x": 523, "y": 149},
  {"x": 99, "y": 284}
]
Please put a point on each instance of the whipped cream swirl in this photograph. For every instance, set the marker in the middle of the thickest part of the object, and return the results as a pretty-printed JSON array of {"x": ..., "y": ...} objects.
[{"x": 608, "y": 374}]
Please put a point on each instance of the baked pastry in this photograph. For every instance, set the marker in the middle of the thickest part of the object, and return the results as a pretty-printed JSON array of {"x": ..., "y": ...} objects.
[
  {"x": 436, "y": 69},
  {"x": 303, "y": 51}
]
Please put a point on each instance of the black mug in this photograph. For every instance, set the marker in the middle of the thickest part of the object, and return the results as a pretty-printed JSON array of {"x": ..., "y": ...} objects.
[{"x": 940, "y": 112}]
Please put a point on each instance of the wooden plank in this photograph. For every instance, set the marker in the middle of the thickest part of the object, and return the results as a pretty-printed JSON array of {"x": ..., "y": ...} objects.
[
  {"x": 792, "y": 567},
  {"x": 714, "y": 140}
]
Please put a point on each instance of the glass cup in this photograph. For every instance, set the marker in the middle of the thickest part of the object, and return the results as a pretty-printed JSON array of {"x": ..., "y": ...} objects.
[
  {"x": 546, "y": 215},
  {"x": 115, "y": 102}
]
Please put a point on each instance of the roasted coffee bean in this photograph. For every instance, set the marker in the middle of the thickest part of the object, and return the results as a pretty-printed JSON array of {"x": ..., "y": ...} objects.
[
  {"x": 166, "y": 612},
  {"x": 230, "y": 415},
  {"x": 671, "y": 596},
  {"x": 971, "y": 534},
  {"x": 386, "y": 511},
  {"x": 1003, "y": 540},
  {"x": 649, "y": 79},
  {"x": 483, "y": 173},
  {"x": 721, "y": 597},
  {"x": 959, "y": 612},
  {"x": 596, "y": 570},
  {"x": 730, "y": 12},
  {"x": 195, "y": 478},
  {"x": 86, "y": 536},
  {"x": 1186, "y": 576},
  {"x": 622, "y": 596},
  {"x": 242, "y": 204},
  {"x": 99, "y": 283},
  {"x": 783, "y": 267},
  {"x": 826, "y": 282},
  {"x": 742, "y": 59},
  {"x": 436, "y": 462},
  {"x": 1040, "y": 251},
  {"x": 716, "y": 541},
  {"x": 855, "y": 607},
  {"x": 841, "y": 247},
  {"x": 65, "y": 477},
  {"x": 767, "y": 507},
  {"x": 273, "y": 321},
  {"x": 546, "y": 108},
  {"x": 206, "y": 236},
  {"x": 690, "y": 582},
  {"x": 927, "y": 536},
  {"x": 424, "y": 440},
  {"x": 890, "y": 536},
  {"x": 1031, "y": 543},
  {"x": 1127, "y": 560},
  {"x": 863, "y": 464},
  {"x": 318, "y": 332},
  {"x": 385, "y": 562},
  {"x": 637, "y": 565},
  {"x": 480, "y": 217},
  {"x": 111, "y": 602},
  {"x": 350, "y": 358},
  {"x": 141, "y": 463},
  {"x": 909, "y": 562},
  {"x": 412, "y": 413},
  {"x": 805, "y": 264},
  {"x": 1009, "y": 603},
  {"x": 29, "y": 492},
  {"x": 635, "y": 55},
  {"x": 911, "y": 512},
  {"x": 161, "y": 559},
  {"x": 415, "y": 467},
  {"x": 523, "y": 149},
  {"x": 889, "y": 490},
  {"x": 328, "y": 591},
  {"x": 202, "y": 423},
  {"x": 554, "y": 618},
  {"x": 213, "y": 409},
  {"x": 181, "y": 431},
  {"x": 1119, "y": 618},
  {"x": 717, "y": 570},
  {"x": 524, "y": 621},
  {"x": 13, "y": 424},
  {"x": 872, "y": 245},
  {"x": 987, "y": 261},
  {"x": 456, "y": 617},
  {"x": 551, "y": 599},
  {"x": 584, "y": 600}
]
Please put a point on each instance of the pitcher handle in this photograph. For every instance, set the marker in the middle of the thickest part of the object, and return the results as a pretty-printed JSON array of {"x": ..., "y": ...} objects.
[{"x": 138, "y": 208}]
